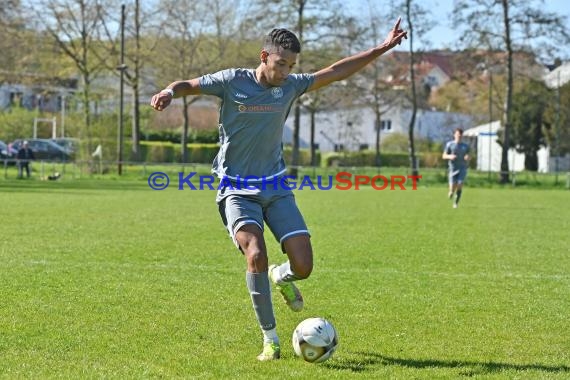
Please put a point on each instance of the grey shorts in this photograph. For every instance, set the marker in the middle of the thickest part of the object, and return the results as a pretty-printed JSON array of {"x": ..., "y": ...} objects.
[
  {"x": 457, "y": 176},
  {"x": 275, "y": 207}
]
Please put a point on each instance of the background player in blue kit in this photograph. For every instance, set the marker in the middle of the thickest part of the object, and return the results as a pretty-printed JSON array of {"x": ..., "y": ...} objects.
[
  {"x": 457, "y": 153},
  {"x": 254, "y": 106}
]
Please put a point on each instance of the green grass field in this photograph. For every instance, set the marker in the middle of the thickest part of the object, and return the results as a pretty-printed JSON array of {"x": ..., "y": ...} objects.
[{"x": 109, "y": 279}]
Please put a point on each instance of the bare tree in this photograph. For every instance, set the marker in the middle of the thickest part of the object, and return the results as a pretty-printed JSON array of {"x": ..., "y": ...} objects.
[
  {"x": 141, "y": 37},
  {"x": 418, "y": 19},
  {"x": 323, "y": 100},
  {"x": 196, "y": 39},
  {"x": 316, "y": 23},
  {"x": 524, "y": 26},
  {"x": 75, "y": 26},
  {"x": 377, "y": 94},
  {"x": 134, "y": 77}
]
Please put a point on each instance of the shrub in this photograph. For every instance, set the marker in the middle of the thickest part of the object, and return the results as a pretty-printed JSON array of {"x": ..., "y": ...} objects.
[
  {"x": 304, "y": 156},
  {"x": 389, "y": 159}
]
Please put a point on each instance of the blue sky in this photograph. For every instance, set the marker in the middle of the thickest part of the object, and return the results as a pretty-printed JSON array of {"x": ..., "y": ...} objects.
[{"x": 442, "y": 35}]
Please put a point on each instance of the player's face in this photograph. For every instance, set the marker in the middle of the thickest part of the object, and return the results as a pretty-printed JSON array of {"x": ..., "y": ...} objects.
[
  {"x": 457, "y": 136},
  {"x": 278, "y": 65}
]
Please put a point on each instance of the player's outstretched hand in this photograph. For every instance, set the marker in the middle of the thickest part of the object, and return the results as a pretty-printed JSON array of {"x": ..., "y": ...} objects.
[
  {"x": 396, "y": 35},
  {"x": 161, "y": 100}
]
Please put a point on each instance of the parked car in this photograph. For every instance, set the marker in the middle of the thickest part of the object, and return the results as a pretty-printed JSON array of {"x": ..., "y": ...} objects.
[
  {"x": 45, "y": 149},
  {"x": 7, "y": 152},
  {"x": 69, "y": 143}
]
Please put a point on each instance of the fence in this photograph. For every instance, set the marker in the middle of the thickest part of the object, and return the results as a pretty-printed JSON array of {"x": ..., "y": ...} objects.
[{"x": 77, "y": 170}]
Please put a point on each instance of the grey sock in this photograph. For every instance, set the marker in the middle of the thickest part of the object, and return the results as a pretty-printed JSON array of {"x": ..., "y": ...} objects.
[{"x": 260, "y": 292}]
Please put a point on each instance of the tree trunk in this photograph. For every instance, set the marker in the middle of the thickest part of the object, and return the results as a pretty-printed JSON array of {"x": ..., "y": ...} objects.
[
  {"x": 87, "y": 110},
  {"x": 504, "y": 177},
  {"x": 136, "y": 123},
  {"x": 377, "y": 158},
  {"x": 296, "y": 128},
  {"x": 136, "y": 96},
  {"x": 297, "y": 122},
  {"x": 184, "y": 137},
  {"x": 313, "y": 150},
  {"x": 531, "y": 161},
  {"x": 411, "y": 147}
]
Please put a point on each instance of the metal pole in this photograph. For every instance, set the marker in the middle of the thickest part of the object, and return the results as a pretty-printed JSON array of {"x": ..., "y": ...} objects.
[
  {"x": 557, "y": 128},
  {"x": 63, "y": 115},
  {"x": 490, "y": 120},
  {"x": 121, "y": 68}
]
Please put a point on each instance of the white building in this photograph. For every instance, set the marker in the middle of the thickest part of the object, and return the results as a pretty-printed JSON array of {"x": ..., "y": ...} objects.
[
  {"x": 558, "y": 77},
  {"x": 355, "y": 128},
  {"x": 489, "y": 152}
]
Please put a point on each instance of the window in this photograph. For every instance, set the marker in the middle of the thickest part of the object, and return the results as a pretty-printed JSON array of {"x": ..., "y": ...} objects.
[
  {"x": 42, "y": 146},
  {"x": 16, "y": 99},
  {"x": 386, "y": 125}
]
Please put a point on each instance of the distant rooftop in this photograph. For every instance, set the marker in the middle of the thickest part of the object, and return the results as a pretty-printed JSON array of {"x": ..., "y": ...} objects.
[{"x": 559, "y": 76}]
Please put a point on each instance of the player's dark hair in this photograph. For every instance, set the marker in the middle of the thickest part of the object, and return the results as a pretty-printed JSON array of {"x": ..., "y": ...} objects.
[
  {"x": 459, "y": 130},
  {"x": 282, "y": 38}
]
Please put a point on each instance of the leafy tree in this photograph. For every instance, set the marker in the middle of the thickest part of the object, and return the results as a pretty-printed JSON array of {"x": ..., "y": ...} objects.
[
  {"x": 528, "y": 121},
  {"x": 11, "y": 23},
  {"x": 522, "y": 22},
  {"x": 558, "y": 117}
]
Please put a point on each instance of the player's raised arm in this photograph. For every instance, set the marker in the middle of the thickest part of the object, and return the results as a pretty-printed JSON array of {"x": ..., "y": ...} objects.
[
  {"x": 175, "y": 90},
  {"x": 350, "y": 65}
]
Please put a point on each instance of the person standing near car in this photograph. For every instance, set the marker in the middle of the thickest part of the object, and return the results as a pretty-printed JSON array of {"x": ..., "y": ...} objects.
[{"x": 25, "y": 154}]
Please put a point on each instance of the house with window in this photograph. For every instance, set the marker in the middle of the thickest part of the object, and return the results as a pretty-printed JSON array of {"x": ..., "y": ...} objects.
[{"x": 354, "y": 129}]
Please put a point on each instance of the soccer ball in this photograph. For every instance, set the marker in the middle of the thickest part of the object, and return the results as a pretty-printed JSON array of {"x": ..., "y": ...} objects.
[{"x": 315, "y": 340}]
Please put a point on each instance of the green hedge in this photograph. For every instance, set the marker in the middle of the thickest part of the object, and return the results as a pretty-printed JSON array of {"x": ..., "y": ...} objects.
[
  {"x": 168, "y": 152},
  {"x": 155, "y": 151},
  {"x": 368, "y": 158},
  {"x": 194, "y": 136},
  {"x": 304, "y": 156}
]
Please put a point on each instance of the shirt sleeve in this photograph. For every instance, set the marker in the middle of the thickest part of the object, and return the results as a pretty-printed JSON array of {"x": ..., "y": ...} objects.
[
  {"x": 447, "y": 149},
  {"x": 302, "y": 82},
  {"x": 215, "y": 84}
]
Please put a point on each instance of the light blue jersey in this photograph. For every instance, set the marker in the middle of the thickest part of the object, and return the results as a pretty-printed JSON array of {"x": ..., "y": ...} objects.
[
  {"x": 251, "y": 121},
  {"x": 460, "y": 150}
]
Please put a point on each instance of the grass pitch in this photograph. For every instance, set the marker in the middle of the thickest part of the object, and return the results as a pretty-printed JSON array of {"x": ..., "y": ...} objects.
[{"x": 109, "y": 279}]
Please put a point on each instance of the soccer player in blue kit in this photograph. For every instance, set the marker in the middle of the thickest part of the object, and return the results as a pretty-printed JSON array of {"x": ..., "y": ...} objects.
[
  {"x": 457, "y": 153},
  {"x": 254, "y": 106}
]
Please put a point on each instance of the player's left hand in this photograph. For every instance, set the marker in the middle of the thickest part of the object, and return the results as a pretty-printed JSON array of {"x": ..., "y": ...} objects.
[{"x": 396, "y": 35}]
